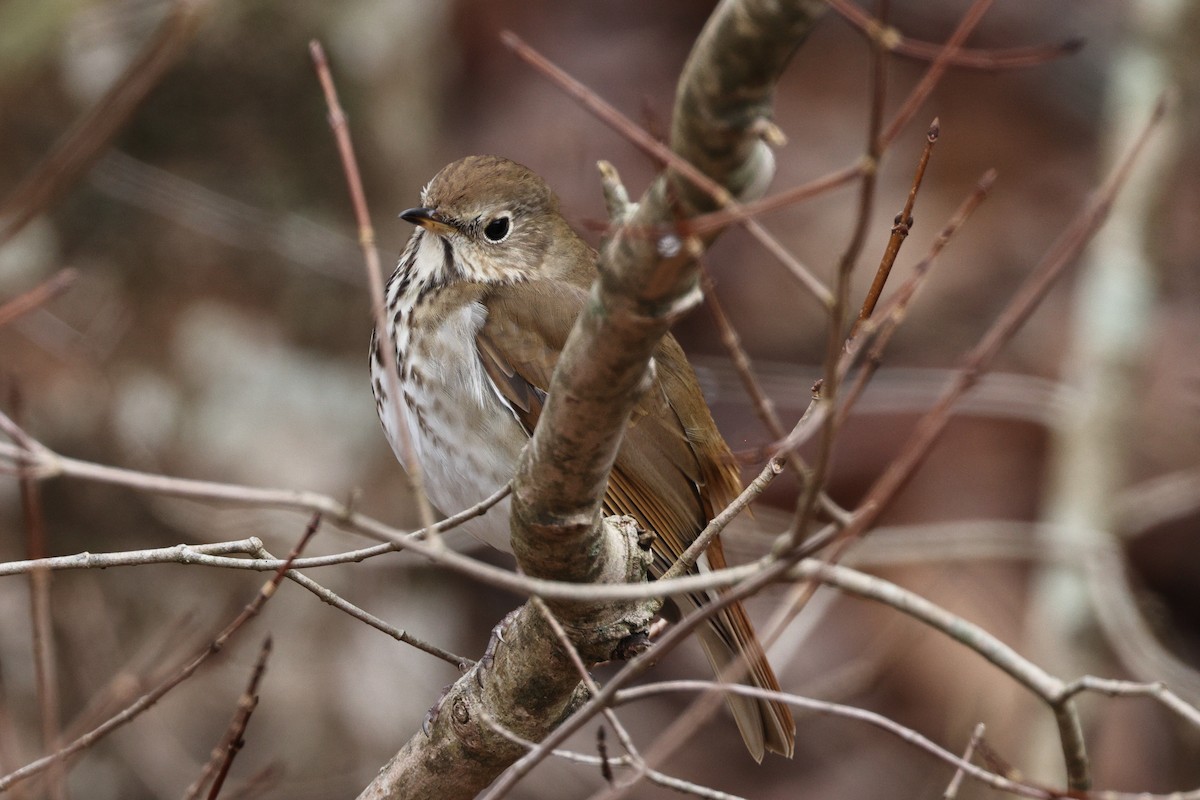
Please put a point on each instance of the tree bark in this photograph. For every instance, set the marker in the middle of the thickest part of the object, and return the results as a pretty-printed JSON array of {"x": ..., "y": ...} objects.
[{"x": 648, "y": 277}]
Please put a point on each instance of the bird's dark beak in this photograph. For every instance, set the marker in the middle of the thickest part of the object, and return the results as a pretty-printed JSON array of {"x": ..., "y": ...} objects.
[{"x": 426, "y": 218}]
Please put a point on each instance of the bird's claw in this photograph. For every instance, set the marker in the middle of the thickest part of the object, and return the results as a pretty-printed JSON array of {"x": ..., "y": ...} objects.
[
  {"x": 432, "y": 714},
  {"x": 493, "y": 645}
]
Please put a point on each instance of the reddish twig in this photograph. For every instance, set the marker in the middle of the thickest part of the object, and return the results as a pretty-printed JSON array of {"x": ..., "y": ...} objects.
[
  {"x": 231, "y": 743},
  {"x": 826, "y": 394},
  {"x": 764, "y": 407},
  {"x": 990, "y": 60},
  {"x": 366, "y": 240},
  {"x": 896, "y": 310},
  {"x": 38, "y": 296},
  {"x": 938, "y": 68},
  {"x": 715, "y": 220},
  {"x": 639, "y": 137},
  {"x": 45, "y": 665},
  {"x": 179, "y": 676},
  {"x": 900, "y": 230},
  {"x": 875, "y": 335},
  {"x": 977, "y": 362},
  {"x": 78, "y": 148}
]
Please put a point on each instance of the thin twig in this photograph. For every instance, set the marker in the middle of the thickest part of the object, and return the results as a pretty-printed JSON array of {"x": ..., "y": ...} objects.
[
  {"x": 715, "y": 220},
  {"x": 45, "y": 662},
  {"x": 259, "y": 784},
  {"x": 568, "y": 646},
  {"x": 897, "y": 309},
  {"x": 1117, "y": 688},
  {"x": 901, "y": 227},
  {"x": 990, "y": 60},
  {"x": 826, "y": 397},
  {"x": 38, "y": 296},
  {"x": 654, "y": 776},
  {"x": 237, "y": 727},
  {"x": 763, "y": 406},
  {"x": 231, "y": 741},
  {"x": 78, "y": 148},
  {"x": 938, "y": 68},
  {"x": 212, "y": 555},
  {"x": 639, "y": 137},
  {"x": 952, "y": 788},
  {"x": 218, "y": 555},
  {"x": 699, "y": 546},
  {"x": 179, "y": 676},
  {"x": 331, "y": 598},
  {"x": 905, "y": 734},
  {"x": 366, "y": 239}
]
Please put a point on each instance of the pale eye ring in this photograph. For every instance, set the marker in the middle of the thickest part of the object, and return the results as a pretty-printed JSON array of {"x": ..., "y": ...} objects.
[{"x": 498, "y": 229}]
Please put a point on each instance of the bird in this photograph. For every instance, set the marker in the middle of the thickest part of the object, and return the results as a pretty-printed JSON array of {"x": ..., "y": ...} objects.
[{"x": 480, "y": 305}]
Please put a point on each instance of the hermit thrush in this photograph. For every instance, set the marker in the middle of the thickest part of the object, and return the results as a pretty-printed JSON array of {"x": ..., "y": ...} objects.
[{"x": 480, "y": 306}]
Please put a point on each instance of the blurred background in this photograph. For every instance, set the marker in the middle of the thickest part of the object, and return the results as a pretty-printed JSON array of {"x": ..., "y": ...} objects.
[{"x": 219, "y": 322}]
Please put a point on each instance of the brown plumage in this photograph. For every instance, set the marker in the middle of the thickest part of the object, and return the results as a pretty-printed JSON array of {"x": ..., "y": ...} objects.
[{"x": 483, "y": 300}]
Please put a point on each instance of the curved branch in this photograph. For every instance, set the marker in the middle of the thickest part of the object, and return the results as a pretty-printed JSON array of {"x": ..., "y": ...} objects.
[{"x": 645, "y": 282}]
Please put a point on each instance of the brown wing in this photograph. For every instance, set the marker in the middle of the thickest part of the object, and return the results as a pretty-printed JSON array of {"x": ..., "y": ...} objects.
[
  {"x": 522, "y": 337},
  {"x": 672, "y": 473}
]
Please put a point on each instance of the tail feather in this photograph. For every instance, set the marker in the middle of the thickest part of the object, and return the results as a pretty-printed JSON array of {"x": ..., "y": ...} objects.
[{"x": 764, "y": 724}]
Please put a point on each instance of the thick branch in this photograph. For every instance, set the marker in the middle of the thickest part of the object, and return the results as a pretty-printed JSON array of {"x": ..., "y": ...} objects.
[{"x": 648, "y": 276}]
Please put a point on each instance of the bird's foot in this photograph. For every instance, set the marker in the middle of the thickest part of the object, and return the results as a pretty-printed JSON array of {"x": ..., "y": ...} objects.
[
  {"x": 432, "y": 714},
  {"x": 493, "y": 646}
]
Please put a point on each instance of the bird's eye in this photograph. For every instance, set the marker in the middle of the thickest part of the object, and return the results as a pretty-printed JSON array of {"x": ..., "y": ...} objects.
[{"x": 498, "y": 229}]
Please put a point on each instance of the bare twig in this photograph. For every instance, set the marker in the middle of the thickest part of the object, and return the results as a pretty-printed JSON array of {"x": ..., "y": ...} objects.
[
  {"x": 563, "y": 639},
  {"x": 179, "y": 676},
  {"x": 616, "y": 197},
  {"x": 952, "y": 788},
  {"x": 900, "y": 230},
  {"x": 38, "y": 296},
  {"x": 764, "y": 407},
  {"x": 897, "y": 309},
  {"x": 825, "y": 397},
  {"x": 237, "y": 727},
  {"x": 217, "y": 767},
  {"x": 1117, "y": 688},
  {"x": 905, "y": 734},
  {"x": 654, "y": 776},
  {"x": 938, "y": 68},
  {"x": 78, "y": 148},
  {"x": 639, "y": 137},
  {"x": 42, "y": 463},
  {"x": 50, "y": 463},
  {"x": 218, "y": 555},
  {"x": 45, "y": 663},
  {"x": 329, "y": 597},
  {"x": 718, "y": 523},
  {"x": 989, "y": 60},
  {"x": 366, "y": 239},
  {"x": 258, "y": 784}
]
